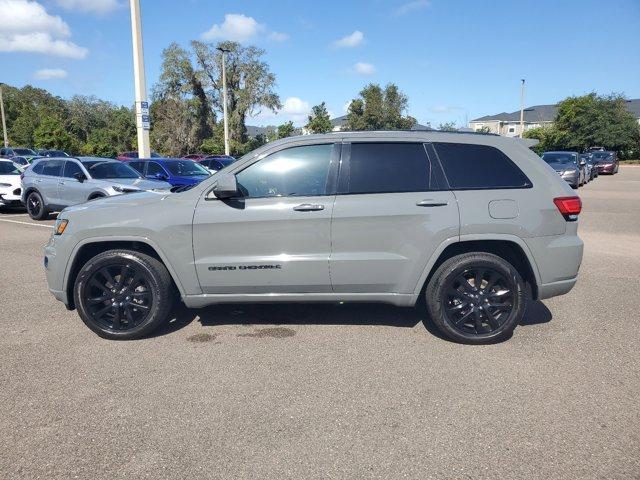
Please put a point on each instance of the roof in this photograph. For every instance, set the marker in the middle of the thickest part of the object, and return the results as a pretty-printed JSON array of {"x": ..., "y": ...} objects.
[
  {"x": 341, "y": 121},
  {"x": 545, "y": 113}
]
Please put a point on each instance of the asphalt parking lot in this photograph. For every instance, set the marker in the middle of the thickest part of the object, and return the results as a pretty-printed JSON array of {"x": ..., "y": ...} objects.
[{"x": 329, "y": 391}]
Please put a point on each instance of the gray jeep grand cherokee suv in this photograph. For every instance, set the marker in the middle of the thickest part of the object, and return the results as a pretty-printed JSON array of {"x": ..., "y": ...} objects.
[{"x": 471, "y": 223}]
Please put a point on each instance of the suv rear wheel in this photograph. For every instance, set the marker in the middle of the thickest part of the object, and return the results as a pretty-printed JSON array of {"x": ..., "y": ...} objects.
[
  {"x": 123, "y": 294},
  {"x": 476, "y": 298},
  {"x": 35, "y": 207}
]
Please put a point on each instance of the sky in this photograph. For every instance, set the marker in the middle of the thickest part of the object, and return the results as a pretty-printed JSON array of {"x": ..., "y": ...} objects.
[{"x": 455, "y": 59}]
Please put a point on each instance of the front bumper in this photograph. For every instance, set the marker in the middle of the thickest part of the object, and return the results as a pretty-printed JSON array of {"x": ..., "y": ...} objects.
[{"x": 606, "y": 168}]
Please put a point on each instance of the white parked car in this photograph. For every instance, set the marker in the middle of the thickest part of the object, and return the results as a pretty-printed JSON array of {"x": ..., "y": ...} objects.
[{"x": 10, "y": 189}]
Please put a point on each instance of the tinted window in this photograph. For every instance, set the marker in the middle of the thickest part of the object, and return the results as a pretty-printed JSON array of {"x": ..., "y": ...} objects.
[
  {"x": 389, "y": 167},
  {"x": 139, "y": 166},
  {"x": 297, "y": 171},
  {"x": 559, "y": 157},
  {"x": 53, "y": 168},
  {"x": 71, "y": 168},
  {"x": 108, "y": 170},
  {"x": 38, "y": 168},
  {"x": 186, "y": 168},
  {"x": 153, "y": 169},
  {"x": 479, "y": 167}
]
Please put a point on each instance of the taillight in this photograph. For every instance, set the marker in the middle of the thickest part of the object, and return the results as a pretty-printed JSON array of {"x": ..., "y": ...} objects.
[{"x": 569, "y": 207}]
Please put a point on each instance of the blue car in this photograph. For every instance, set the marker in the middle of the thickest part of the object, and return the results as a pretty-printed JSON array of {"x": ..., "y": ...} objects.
[{"x": 176, "y": 171}]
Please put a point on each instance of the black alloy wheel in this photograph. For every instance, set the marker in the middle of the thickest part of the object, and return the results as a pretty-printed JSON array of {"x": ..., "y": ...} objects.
[
  {"x": 35, "y": 206},
  {"x": 478, "y": 300},
  {"x": 123, "y": 294},
  {"x": 118, "y": 297}
]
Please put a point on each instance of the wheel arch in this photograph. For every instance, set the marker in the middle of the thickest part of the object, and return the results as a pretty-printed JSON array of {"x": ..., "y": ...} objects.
[
  {"x": 92, "y": 247},
  {"x": 511, "y": 249},
  {"x": 96, "y": 194}
]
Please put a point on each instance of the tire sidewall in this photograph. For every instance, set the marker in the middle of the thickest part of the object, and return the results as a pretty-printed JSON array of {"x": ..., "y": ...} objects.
[
  {"x": 42, "y": 208},
  {"x": 451, "y": 269},
  {"x": 118, "y": 258}
]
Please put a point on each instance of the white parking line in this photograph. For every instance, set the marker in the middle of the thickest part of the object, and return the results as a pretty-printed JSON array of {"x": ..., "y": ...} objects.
[{"x": 26, "y": 223}]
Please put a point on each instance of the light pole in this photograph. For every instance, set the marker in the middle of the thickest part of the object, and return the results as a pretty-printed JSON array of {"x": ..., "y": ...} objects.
[
  {"x": 4, "y": 122},
  {"x": 522, "y": 109},
  {"x": 224, "y": 100},
  {"x": 140, "y": 81}
]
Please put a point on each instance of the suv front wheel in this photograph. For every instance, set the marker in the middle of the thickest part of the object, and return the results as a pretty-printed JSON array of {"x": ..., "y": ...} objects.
[
  {"x": 36, "y": 207},
  {"x": 123, "y": 294},
  {"x": 476, "y": 298}
]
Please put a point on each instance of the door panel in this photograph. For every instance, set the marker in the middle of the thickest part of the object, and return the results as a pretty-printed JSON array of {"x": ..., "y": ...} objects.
[
  {"x": 276, "y": 237},
  {"x": 262, "y": 245},
  {"x": 52, "y": 174},
  {"x": 70, "y": 190},
  {"x": 382, "y": 242},
  {"x": 391, "y": 213}
]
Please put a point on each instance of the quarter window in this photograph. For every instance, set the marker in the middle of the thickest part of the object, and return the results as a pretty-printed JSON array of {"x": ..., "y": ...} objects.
[
  {"x": 477, "y": 167},
  {"x": 297, "y": 171},
  {"x": 389, "y": 167}
]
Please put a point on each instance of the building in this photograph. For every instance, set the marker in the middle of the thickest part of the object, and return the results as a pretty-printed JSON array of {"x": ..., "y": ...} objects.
[{"x": 508, "y": 124}]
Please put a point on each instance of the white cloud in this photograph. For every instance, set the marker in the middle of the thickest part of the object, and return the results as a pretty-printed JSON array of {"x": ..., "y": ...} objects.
[
  {"x": 27, "y": 27},
  {"x": 278, "y": 37},
  {"x": 241, "y": 28},
  {"x": 236, "y": 27},
  {"x": 50, "y": 73},
  {"x": 412, "y": 6},
  {"x": 350, "y": 41},
  {"x": 363, "y": 68},
  {"x": 90, "y": 6},
  {"x": 295, "y": 108},
  {"x": 346, "y": 106}
]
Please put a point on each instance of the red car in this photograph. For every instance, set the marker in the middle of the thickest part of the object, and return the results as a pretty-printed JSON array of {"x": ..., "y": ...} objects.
[{"x": 608, "y": 162}]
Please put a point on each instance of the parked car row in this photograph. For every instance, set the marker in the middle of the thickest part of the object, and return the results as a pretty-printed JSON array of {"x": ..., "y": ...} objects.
[
  {"x": 51, "y": 184},
  {"x": 578, "y": 169}
]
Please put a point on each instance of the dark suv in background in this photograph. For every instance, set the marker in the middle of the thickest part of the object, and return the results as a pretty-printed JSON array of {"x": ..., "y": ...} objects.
[{"x": 608, "y": 162}]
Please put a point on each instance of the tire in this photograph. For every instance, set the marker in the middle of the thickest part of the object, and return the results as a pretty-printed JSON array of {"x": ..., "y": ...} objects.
[
  {"x": 36, "y": 208},
  {"x": 481, "y": 319},
  {"x": 126, "y": 284}
]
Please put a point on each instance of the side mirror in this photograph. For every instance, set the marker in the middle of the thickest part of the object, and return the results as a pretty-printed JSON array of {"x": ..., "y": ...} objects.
[
  {"x": 79, "y": 176},
  {"x": 226, "y": 186},
  {"x": 159, "y": 176},
  {"x": 583, "y": 162}
]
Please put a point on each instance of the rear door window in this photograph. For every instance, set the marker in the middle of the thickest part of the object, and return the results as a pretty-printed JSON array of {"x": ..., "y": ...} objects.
[
  {"x": 479, "y": 167},
  {"x": 53, "y": 168},
  {"x": 388, "y": 168}
]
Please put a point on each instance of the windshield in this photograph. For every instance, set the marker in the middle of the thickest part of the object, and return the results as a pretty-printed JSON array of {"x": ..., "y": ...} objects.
[
  {"x": 8, "y": 168},
  {"x": 186, "y": 168},
  {"x": 23, "y": 151},
  {"x": 564, "y": 158},
  {"x": 600, "y": 155},
  {"x": 57, "y": 153},
  {"x": 225, "y": 161},
  {"x": 107, "y": 170}
]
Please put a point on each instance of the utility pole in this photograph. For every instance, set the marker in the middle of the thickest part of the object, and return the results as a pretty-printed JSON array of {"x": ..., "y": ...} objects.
[
  {"x": 4, "y": 122},
  {"x": 140, "y": 81},
  {"x": 522, "y": 109},
  {"x": 224, "y": 100}
]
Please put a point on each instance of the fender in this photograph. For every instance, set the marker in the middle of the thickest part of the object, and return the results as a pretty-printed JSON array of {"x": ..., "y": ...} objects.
[
  {"x": 476, "y": 237},
  {"x": 129, "y": 238}
]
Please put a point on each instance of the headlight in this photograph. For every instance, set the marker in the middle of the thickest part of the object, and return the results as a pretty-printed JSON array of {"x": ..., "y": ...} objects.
[
  {"x": 568, "y": 172},
  {"x": 60, "y": 226}
]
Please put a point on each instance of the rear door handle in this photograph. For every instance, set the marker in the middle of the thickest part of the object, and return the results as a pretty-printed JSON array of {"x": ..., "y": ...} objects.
[
  {"x": 431, "y": 203},
  {"x": 308, "y": 207}
]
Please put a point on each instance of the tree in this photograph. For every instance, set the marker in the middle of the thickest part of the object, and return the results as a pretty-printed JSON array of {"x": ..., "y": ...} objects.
[
  {"x": 250, "y": 83},
  {"x": 448, "y": 127},
  {"x": 319, "y": 121},
  {"x": 483, "y": 129},
  {"x": 590, "y": 120},
  {"x": 379, "y": 109},
  {"x": 51, "y": 134}
]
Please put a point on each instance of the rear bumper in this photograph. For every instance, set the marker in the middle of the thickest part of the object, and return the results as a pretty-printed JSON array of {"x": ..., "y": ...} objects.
[{"x": 548, "y": 290}]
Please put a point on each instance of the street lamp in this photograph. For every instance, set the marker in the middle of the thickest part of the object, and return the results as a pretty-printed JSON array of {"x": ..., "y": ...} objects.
[
  {"x": 224, "y": 100},
  {"x": 4, "y": 123},
  {"x": 522, "y": 109},
  {"x": 140, "y": 81}
]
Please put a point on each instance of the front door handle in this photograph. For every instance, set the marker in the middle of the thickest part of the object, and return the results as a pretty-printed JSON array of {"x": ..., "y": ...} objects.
[
  {"x": 429, "y": 202},
  {"x": 308, "y": 207}
]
